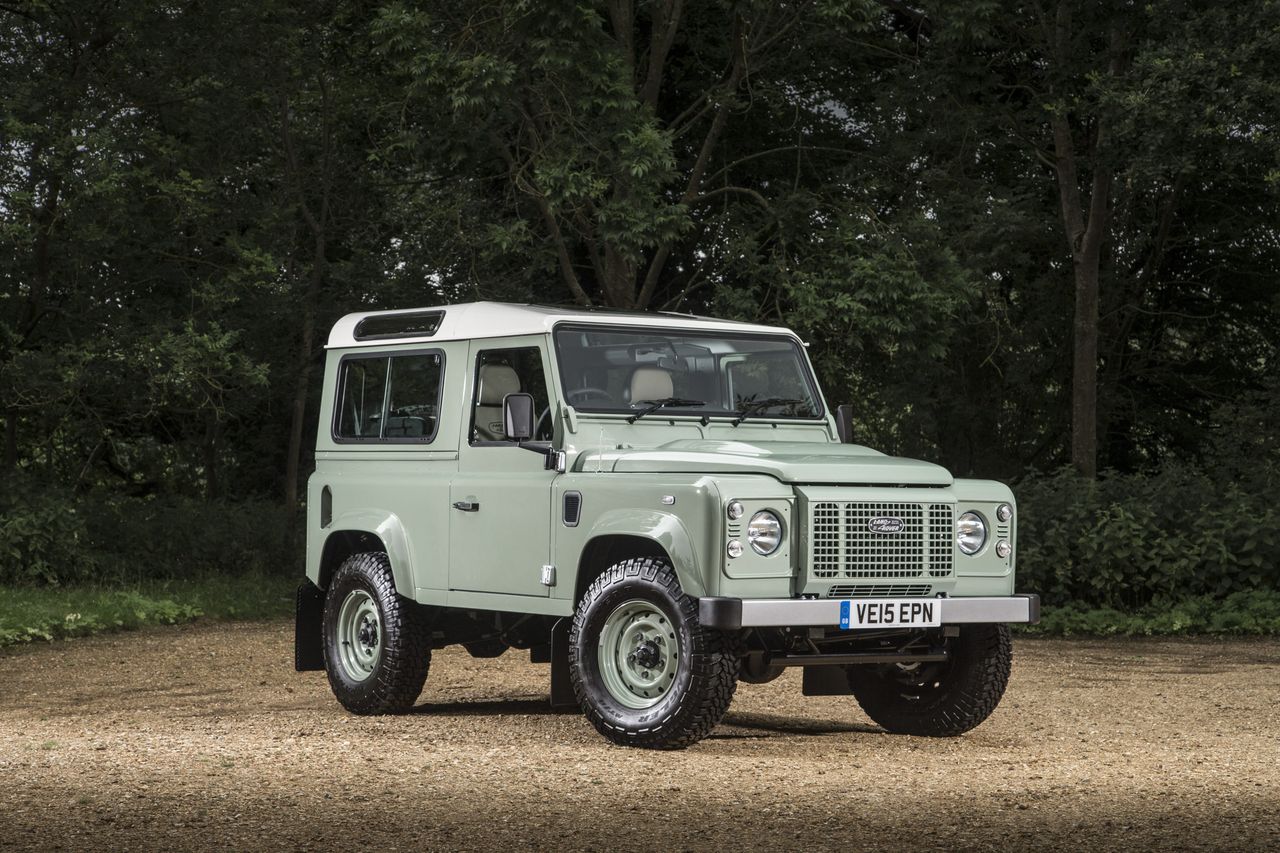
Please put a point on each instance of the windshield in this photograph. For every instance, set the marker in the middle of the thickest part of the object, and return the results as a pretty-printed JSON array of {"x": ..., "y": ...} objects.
[{"x": 701, "y": 373}]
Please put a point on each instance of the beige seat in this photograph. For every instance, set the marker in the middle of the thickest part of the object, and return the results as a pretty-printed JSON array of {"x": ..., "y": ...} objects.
[
  {"x": 650, "y": 383},
  {"x": 496, "y": 381}
]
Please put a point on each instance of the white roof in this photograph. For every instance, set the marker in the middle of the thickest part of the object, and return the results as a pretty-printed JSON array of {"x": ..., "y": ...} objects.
[{"x": 500, "y": 319}]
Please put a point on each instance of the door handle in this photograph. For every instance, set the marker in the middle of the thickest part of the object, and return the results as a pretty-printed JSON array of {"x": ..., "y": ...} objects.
[{"x": 467, "y": 506}]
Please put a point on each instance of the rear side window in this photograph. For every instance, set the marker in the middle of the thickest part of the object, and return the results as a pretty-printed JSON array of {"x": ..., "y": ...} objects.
[{"x": 389, "y": 398}]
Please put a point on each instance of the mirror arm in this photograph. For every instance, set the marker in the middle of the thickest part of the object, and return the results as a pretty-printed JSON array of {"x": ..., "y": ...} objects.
[
  {"x": 535, "y": 446},
  {"x": 554, "y": 460}
]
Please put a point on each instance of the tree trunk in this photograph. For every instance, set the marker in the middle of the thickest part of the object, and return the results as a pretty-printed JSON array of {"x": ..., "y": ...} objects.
[
  {"x": 1084, "y": 369},
  {"x": 1085, "y": 238},
  {"x": 1086, "y": 223},
  {"x": 298, "y": 413},
  {"x": 619, "y": 284},
  {"x": 317, "y": 222}
]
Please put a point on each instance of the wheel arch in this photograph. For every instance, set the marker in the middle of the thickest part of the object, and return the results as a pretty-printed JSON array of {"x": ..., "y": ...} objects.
[
  {"x": 620, "y": 534},
  {"x": 357, "y": 533}
]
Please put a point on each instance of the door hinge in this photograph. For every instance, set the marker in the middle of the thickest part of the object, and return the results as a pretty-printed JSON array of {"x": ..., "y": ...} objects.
[{"x": 548, "y": 575}]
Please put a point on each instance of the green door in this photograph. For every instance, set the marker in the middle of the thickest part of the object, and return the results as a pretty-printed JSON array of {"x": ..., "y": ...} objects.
[{"x": 500, "y": 499}]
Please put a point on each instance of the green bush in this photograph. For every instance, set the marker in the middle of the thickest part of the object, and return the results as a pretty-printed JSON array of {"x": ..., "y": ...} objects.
[
  {"x": 57, "y": 537},
  {"x": 179, "y": 537},
  {"x": 43, "y": 537},
  {"x": 1241, "y": 613},
  {"x": 1128, "y": 541}
]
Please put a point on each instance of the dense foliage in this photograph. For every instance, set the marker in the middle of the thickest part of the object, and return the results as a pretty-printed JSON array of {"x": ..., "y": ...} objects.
[
  {"x": 29, "y": 614},
  {"x": 1019, "y": 236}
]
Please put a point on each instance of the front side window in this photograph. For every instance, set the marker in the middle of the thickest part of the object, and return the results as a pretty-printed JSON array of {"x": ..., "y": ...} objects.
[
  {"x": 389, "y": 398},
  {"x": 500, "y": 372},
  {"x": 702, "y": 373}
]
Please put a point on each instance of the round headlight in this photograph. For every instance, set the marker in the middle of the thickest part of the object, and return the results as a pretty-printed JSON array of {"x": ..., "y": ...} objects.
[
  {"x": 735, "y": 510},
  {"x": 971, "y": 532},
  {"x": 1004, "y": 512},
  {"x": 1003, "y": 549},
  {"x": 764, "y": 532},
  {"x": 735, "y": 548}
]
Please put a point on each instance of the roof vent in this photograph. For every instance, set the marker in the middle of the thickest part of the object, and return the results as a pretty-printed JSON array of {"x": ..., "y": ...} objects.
[{"x": 417, "y": 324}]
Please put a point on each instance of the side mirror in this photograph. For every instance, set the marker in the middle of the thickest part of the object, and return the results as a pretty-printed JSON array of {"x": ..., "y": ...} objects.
[
  {"x": 517, "y": 416},
  {"x": 844, "y": 423}
]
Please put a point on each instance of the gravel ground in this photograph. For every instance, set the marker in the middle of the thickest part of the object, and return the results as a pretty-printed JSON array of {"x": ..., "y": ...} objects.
[{"x": 203, "y": 737}]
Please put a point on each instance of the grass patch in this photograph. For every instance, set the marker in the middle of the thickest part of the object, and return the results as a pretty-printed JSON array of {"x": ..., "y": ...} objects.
[
  {"x": 1239, "y": 614},
  {"x": 29, "y": 614}
]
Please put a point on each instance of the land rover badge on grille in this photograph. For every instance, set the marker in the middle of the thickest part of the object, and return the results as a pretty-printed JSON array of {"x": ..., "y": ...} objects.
[{"x": 886, "y": 524}]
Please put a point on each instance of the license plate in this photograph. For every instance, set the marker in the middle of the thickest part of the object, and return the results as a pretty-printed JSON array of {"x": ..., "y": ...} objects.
[{"x": 891, "y": 613}]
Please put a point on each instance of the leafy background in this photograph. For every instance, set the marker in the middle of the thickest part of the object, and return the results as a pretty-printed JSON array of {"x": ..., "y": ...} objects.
[{"x": 931, "y": 193}]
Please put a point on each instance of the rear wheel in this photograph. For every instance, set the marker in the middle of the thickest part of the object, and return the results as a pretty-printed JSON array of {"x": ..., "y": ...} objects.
[
  {"x": 642, "y": 666},
  {"x": 939, "y": 699},
  {"x": 377, "y": 648}
]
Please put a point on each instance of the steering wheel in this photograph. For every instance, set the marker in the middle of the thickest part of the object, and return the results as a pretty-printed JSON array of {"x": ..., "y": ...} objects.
[
  {"x": 537, "y": 425},
  {"x": 585, "y": 395}
]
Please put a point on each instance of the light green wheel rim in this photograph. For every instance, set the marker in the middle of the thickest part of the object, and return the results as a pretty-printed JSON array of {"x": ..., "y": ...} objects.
[
  {"x": 359, "y": 635},
  {"x": 639, "y": 654}
]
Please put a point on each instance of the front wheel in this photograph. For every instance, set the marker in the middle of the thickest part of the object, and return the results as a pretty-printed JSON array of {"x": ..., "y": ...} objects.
[
  {"x": 377, "y": 646},
  {"x": 939, "y": 699},
  {"x": 644, "y": 669}
]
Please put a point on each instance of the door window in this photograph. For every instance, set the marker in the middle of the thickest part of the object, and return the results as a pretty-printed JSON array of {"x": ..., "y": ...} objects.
[{"x": 500, "y": 372}]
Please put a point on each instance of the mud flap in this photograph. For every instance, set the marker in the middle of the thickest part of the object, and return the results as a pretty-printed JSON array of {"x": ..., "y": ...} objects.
[
  {"x": 308, "y": 642},
  {"x": 825, "y": 681},
  {"x": 561, "y": 688}
]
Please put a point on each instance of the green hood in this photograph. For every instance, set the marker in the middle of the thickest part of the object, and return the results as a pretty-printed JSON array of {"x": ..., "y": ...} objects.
[{"x": 788, "y": 461}]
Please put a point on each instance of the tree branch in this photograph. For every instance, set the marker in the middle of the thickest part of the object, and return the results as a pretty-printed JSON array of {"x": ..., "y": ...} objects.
[
  {"x": 622, "y": 18},
  {"x": 747, "y": 191},
  {"x": 692, "y": 188},
  {"x": 662, "y": 36},
  {"x": 567, "y": 271}
]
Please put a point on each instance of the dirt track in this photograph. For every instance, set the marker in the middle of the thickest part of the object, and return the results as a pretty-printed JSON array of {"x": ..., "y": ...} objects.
[{"x": 203, "y": 737}]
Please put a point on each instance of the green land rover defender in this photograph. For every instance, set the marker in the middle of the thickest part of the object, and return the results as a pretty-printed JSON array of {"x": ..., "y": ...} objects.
[{"x": 659, "y": 506}]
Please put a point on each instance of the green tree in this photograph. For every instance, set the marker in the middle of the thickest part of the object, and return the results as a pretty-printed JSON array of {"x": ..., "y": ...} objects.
[{"x": 1137, "y": 115}]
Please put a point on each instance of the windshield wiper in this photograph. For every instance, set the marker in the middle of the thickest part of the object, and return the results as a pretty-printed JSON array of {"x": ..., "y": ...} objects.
[
  {"x": 751, "y": 407},
  {"x": 651, "y": 406}
]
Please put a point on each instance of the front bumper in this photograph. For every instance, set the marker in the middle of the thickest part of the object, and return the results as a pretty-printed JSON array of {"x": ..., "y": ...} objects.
[{"x": 730, "y": 614}]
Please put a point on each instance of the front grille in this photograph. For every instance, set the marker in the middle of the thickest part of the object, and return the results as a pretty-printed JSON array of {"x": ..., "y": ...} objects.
[
  {"x": 878, "y": 590},
  {"x": 843, "y": 545}
]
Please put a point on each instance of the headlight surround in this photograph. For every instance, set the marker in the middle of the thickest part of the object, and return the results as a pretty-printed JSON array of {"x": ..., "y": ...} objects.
[
  {"x": 971, "y": 533},
  {"x": 764, "y": 533}
]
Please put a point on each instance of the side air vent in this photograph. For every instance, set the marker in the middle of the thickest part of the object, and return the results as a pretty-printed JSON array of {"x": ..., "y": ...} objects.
[{"x": 572, "y": 508}]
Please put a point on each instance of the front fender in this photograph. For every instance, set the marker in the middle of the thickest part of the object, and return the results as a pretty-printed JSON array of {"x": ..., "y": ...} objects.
[
  {"x": 388, "y": 528},
  {"x": 667, "y": 531}
]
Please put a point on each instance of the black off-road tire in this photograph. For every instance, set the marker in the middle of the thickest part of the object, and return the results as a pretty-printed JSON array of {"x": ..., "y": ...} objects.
[
  {"x": 705, "y": 678},
  {"x": 939, "y": 700},
  {"x": 397, "y": 678}
]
